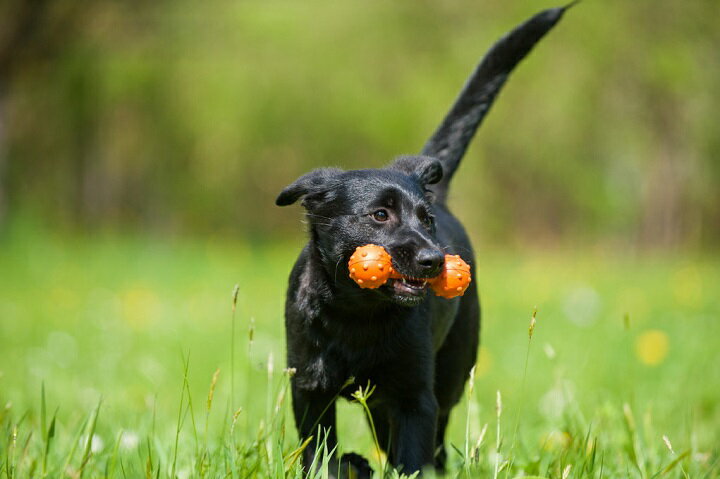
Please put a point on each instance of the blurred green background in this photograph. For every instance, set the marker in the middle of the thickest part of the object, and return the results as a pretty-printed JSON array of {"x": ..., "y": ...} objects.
[
  {"x": 142, "y": 145},
  {"x": 183, "y": 117}
]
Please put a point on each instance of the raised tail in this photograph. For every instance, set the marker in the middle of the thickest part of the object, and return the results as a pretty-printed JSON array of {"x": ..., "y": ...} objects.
[{"x": 453, "y": 136}]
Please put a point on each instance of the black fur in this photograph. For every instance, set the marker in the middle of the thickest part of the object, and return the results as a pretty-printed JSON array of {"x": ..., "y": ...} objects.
[{"x": 415, "y": 348}]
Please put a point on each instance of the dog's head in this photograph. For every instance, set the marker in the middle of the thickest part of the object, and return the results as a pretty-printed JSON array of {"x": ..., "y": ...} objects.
[{"x": 390, "y": 207}]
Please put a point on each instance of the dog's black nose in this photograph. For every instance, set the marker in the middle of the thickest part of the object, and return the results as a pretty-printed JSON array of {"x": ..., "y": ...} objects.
[{"x": 429, "y": 261}]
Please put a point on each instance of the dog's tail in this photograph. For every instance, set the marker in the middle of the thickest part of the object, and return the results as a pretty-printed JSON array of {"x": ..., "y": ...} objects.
[{"x": 453, "y": 136}]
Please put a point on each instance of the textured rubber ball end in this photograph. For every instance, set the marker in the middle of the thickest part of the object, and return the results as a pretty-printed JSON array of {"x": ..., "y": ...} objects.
[
  {"x": 454, "y": 279},
  {"x": 370, "y": 266}
]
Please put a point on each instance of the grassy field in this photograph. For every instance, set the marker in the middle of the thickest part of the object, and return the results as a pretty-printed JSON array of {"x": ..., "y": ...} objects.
[{"x": 109, "y": 351}]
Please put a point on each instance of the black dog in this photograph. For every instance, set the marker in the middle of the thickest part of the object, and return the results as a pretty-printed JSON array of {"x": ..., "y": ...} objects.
[{"x": 415, "y": 348}]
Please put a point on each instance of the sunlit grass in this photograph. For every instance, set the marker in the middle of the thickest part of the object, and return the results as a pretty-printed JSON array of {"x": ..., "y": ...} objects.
[{"x": 110, "y": 351}]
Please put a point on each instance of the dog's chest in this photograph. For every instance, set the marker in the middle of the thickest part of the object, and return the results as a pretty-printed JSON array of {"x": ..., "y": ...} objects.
[
  {"x": 373, "y": 350},
  {"x": 442, "y": 313}
]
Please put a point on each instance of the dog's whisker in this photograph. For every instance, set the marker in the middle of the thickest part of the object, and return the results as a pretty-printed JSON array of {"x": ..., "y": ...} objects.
[
  {"x": 316, "y": 223},
  {"x": 335, "y": 280},
  {"x": 319, "y": 216},
  {"x": 459, "y": 249}
]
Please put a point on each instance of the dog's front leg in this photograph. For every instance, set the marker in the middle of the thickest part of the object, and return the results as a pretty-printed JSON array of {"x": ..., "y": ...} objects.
[
  {"x": 315, "y": 417},
  {"x": 413, "y": 432}
]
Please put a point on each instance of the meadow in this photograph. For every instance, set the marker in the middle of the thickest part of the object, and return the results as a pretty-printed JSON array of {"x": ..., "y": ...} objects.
[{"x": 126, "y": 356}]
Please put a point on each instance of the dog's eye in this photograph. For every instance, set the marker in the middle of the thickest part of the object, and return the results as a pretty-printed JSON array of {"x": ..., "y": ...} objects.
[{"x": 380, "y": 215}]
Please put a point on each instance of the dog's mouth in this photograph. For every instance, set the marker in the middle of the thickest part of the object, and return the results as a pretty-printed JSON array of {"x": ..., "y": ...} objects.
[
  {"x": 407, "y": 291},
  {"x": 409, "y": 286}
]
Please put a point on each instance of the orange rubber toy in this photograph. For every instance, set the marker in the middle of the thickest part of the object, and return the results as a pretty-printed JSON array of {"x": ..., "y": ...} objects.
[{"x": 371, "y": 266}]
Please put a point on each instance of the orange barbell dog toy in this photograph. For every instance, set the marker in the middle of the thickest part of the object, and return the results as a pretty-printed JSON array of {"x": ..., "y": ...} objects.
[{"x": 371, "y": 266}]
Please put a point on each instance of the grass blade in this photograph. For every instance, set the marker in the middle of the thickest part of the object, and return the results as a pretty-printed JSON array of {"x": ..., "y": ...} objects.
[
  {"x": 88, "y": 443},
  {"x": 73, "y": 446},
  {"x": 49, "y": 436}
]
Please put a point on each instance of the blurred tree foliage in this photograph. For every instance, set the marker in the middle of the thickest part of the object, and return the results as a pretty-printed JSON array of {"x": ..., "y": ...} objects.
[{"x": 190, "y": 116}]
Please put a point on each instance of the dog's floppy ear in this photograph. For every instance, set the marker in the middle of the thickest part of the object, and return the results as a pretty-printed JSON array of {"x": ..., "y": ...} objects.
[
  {"x": 316, "y": 183},
  {"x": 426, "y": 169}
]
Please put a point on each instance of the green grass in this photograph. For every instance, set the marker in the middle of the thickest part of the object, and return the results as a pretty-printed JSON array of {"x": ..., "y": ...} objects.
[{"x": 118, "y": 339}]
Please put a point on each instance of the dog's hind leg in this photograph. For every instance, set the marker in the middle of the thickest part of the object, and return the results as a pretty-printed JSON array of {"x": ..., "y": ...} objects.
[
  {"x": 440, "y": 452},
  {"x": 412, "y": 426},
  {"x": 452, "y": 366}
]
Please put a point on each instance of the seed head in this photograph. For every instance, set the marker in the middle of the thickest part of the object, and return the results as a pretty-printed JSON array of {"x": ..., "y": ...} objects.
[
  {"x": 234, "y": 419},
  {"x": 666, "y": 440},
  {"x": 212, "y": 388},
  {"x": 481, "y": 438},
  {"x": 235, "y": 292},
  {"x": 629, "y": 418},
  {"x": 251, "y": 330},
  {"x": 532, "y": 323}
]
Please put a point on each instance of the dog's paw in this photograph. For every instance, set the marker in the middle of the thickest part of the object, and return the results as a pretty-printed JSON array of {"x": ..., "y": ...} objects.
[{"x": 354, "y": 466}]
